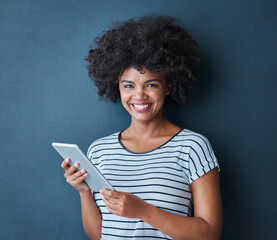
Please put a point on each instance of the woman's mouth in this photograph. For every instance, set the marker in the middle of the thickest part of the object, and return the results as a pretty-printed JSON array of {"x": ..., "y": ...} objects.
[{"x": 141, "y": 107}]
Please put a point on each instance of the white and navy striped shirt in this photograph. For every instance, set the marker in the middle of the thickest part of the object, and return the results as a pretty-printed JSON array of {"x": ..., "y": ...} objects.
[{"x": 161, "y": 177}]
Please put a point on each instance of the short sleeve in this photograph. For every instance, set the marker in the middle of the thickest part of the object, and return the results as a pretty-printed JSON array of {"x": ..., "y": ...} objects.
[
  {"x": 201, "y": 158},
  {"x": 93, "y": 152},
  {"x": 90, "y": 151}
]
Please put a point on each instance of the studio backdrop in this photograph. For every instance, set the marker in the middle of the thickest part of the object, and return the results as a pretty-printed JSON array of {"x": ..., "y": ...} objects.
[{"x": 46, "y": 95}]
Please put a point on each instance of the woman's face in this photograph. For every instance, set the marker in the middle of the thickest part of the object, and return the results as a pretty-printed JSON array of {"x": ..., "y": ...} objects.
[{"x": 142, "y": 95}]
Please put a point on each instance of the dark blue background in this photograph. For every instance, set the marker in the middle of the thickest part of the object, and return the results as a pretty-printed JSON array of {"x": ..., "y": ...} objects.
[{"x": 47, "y": 96}]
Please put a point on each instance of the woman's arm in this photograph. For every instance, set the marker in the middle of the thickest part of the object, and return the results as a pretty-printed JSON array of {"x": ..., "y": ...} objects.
[
  {"x": 207, "y": 220},
  {"x": 91, "y": 215}
]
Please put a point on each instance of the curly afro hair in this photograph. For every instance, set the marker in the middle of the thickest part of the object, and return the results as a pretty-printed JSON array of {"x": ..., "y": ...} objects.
[{"x": 154, "y": 41}]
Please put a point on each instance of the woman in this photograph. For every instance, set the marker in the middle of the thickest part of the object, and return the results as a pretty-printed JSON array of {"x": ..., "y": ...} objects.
[{"x": 158, "y": 168}]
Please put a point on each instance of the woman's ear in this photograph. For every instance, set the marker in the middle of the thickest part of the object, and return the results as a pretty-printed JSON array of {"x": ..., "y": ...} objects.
[{"x": 168, "y": 89}]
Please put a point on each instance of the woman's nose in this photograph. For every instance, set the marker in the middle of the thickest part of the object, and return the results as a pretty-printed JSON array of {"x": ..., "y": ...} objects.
[{"x": 139, "y": 94}]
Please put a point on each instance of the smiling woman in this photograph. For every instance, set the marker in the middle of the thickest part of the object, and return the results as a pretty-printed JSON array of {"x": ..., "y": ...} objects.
[
  {"x": 160, "y": 170},
  {"x": 143, "y": 93}
]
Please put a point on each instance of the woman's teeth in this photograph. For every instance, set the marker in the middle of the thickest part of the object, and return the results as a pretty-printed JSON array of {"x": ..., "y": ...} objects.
[{"x": 141, "y": 106}]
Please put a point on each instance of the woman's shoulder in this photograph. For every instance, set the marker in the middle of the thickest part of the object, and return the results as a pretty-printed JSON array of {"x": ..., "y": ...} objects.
[
  {"x": 194, "y": 140},
  {"x": 109, "y": 139},
  {"x": 192, "y": 135}
]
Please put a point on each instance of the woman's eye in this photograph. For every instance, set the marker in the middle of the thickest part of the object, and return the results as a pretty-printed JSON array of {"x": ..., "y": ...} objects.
[
  {"x": 152, "y": 85},
  {"x": 128, "y": 86}
]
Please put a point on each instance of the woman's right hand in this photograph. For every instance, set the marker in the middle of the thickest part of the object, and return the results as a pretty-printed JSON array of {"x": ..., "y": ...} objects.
[{"x": 73, "y": 177}]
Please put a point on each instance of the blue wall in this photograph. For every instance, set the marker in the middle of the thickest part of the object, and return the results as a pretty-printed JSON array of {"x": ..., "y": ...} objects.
[{"x": 46, "y": 95}]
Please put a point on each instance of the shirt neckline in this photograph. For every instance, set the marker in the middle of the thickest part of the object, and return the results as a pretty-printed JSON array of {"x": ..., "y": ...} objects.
[{"x": 122, "y": 145}]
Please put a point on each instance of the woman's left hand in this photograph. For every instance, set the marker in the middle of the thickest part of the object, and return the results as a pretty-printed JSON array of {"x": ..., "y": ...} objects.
[{"x": 124, "y": 204}]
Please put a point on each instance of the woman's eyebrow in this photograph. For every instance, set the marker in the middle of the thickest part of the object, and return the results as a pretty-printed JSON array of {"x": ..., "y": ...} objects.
[
  {"x": 126, "y": 81},
  {"x": 151, "y": 80}
]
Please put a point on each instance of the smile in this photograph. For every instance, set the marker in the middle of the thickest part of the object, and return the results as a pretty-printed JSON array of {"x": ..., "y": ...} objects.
[{"x": 141, "y": 107}]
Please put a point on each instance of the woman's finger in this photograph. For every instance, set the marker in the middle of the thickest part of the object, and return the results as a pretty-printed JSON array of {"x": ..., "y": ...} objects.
[
  {"x": 80, "y": 179},
  {"x": 110, "y": 194},
  {"x": 76, "y": 175},
  {"x": 110, "y": 205},
  {"x": 71, "y": 169},
  {"x": 112, "y": 210},
  {"x": 65, "y": 164}
]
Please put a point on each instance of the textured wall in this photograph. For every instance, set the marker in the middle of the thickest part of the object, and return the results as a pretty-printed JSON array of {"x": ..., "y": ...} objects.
[{"x": 46, "y": 96}]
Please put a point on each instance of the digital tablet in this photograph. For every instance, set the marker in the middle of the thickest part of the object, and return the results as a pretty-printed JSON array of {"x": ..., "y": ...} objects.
[{"x": 95, "y": 179}]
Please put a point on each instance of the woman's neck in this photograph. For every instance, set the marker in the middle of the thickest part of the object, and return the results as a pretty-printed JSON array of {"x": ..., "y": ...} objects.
[{"x": 148, "y": 129}]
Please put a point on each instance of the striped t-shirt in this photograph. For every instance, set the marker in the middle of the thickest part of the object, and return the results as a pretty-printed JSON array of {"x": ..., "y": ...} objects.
[{"x": 161, "y": 177}]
